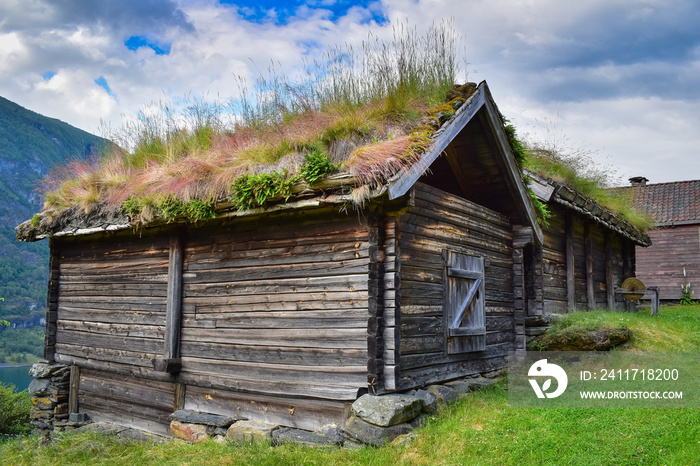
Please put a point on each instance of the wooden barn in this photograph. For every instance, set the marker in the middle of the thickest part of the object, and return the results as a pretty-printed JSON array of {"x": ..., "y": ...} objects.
[
  {"x": 674, "y": 258},
  {"x": 288, "y": 313}
]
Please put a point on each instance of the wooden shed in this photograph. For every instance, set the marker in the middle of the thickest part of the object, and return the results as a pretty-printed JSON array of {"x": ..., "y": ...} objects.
[
  {"x": 587, "y": 252},
  {"x": 287, "y": 313},
  {"x": 674, "y": 258}
]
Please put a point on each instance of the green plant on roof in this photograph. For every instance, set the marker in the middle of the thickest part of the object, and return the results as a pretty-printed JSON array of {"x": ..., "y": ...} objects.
[{"x": 577, "y": 168}]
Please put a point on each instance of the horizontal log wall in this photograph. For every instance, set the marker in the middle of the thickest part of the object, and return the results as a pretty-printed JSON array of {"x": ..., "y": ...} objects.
[
  {"x": 127, "y": 401},
  {"x": 111, "y": 303},
  {"x": 662, "y": 264},
  {"x": 277, "y": 307},
  {"x": 440, "y": 221}
]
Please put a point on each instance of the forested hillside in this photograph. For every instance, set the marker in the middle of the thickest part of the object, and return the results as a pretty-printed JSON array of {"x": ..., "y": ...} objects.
[{"x": 30, "y": 146}]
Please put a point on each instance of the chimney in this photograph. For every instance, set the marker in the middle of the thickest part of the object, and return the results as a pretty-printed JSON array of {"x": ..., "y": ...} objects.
[{"x": 638, "y": 181}]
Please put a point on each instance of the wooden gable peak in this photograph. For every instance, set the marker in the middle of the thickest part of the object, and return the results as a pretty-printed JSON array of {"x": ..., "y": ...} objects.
[{"x": 481, "y": 109}]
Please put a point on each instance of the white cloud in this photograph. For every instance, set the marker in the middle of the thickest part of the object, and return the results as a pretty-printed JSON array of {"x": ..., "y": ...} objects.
[{"x": 624, "y": 77}]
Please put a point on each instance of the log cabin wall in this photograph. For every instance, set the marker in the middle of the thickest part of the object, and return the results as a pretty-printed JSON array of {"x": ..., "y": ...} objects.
[
  {"x": 437, "y": 222},
  {"x": 276, "y": 320},
  {"x": 599, "y": 259},
  {"x": 110, "y": 309},
  {"x": 276, "y": 309}
]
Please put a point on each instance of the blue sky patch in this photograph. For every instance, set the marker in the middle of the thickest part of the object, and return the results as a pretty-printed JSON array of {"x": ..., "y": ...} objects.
[
  {"x": 48, "y": 75},
  {"x": 136, "y": 42},
  {"x": 280, "y": 12},
  {"x": 102, "y": 82}
]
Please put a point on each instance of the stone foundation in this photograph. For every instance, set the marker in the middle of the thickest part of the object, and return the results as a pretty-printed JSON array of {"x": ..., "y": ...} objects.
[
  {"x": 372, "y": 420},
  {"x": 50, "y": 390}
]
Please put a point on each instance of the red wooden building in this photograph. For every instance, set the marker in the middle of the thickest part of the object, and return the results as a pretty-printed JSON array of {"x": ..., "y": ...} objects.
[{"x": 673, "y": 260}]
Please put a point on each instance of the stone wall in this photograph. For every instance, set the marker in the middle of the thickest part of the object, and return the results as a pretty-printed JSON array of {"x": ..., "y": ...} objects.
[{"x": 50, "y": 391}]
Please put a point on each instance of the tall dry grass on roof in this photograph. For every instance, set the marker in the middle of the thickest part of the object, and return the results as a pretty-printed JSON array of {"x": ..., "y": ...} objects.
[{"x": 351, "y": 98}]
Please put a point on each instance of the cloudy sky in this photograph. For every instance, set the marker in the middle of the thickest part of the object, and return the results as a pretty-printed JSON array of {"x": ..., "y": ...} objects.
[{"x": 618, "y": 79}]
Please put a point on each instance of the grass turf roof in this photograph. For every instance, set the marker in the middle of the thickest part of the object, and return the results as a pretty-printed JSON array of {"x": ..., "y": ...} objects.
[{"x": 186, "y": 173}]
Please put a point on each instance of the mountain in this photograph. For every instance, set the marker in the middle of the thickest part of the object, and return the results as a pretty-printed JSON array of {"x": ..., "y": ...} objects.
[{"x": 30, "y": 146}]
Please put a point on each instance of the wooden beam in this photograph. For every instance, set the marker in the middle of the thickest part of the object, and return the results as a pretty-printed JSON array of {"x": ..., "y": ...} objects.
[
  {"x": 52, "y": 301},
  {"x": 179, "y": 398},
  {"x": 173, "y": 311},
  {"x": 570, "y": 264},
  {"x": 511, "y": 171},
  {"x": 590, "y": 283},
  {"x": 609, "y": 272},
  {"x": 74, "y": 384}
]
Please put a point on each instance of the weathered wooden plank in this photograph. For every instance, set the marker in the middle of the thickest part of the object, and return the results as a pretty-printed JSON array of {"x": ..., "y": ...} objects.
[
  {"x": 342, "y": 268},
  {"x": 449, "y": 234},
  {"x": 115, "y": 300},
  {"x": 319, "y": 338},
  {"x": 114, "y": 367},
  {"x": 52, "y": 299},
  {"x": 570, "y": 264},
  {"x": 321, "y": 319},
  {"x": 242, "y": 300},
  {"x": 139, "y": 392},
  {"x": 74, "y": 385},
  {"x": 146, "y": 345},
  {"x": 113, "y": 316},
  {"x": 466, "y": 221},
  {"x": 136, "y": 358},
  {"x": 309, "y": 414},
  {"x": 114, "y": 329},
  {"x": 436, "y": 372},
  {"x": 439, "y": 197},
  {"x": 275, "y": 354},
  {"x": 590, "y": 276},
  {"x": 322, "y": 389},
  {"x": 280, "y": 256},
  {"x": 120, "y": 415},
  {"x": 354, "y": 282},
  {"x": 173, "y": 311},
  {"x": 68, "y": 289}
]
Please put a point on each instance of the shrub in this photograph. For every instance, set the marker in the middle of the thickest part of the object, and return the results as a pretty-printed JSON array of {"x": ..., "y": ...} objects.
[{"x": 14, "y": 411}]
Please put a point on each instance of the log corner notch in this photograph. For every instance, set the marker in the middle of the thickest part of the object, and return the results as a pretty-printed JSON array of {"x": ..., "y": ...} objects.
[
  {"x": 171, "y": 362},
  {"x": 375, "y": 327}
]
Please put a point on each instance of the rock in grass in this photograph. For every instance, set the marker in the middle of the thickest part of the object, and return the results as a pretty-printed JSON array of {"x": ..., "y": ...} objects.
[
  {"x": 387, "y": 410},
  {"x": 372, "y": 434},
  {"x": 444, "y": 394},
  {"x": 302, "y": 437}
]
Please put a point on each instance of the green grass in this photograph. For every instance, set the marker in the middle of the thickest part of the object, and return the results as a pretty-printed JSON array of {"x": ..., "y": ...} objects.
[{"x": 478, "y": 430}]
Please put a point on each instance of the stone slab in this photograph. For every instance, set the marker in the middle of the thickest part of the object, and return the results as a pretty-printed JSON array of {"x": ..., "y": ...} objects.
[
  {"x": 372, "y": 434},
  {"x": 190, "y": 416},
  {"x": 302, "y": 437},
  {"x": 250, "y": 431},
  {"x": 387, "y": 410},
  {"x": 195, "y": 433}
]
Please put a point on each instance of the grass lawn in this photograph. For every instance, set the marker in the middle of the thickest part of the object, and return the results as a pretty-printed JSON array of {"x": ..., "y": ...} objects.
[{"x": 479, "y": 429}]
